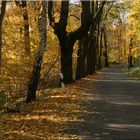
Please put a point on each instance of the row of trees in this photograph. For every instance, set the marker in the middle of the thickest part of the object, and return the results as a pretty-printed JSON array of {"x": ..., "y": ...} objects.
[
  {"x": 91, "y": 36},
  {"x": 90, "y": 23},
  {"x": 123, "y": 32}
]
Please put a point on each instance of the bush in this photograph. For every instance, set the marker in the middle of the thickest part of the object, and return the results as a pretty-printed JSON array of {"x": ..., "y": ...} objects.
[
  {"x": 135, "y": 71},
  {"x": 114, "y": 63},
  {"x": 3, "y": 99},
  {"x": 126, "y": 70}
]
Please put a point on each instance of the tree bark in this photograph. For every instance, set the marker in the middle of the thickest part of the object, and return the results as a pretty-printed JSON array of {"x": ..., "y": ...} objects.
[
  {"x": 2, "y": 13},
  {"x": 33, "y": 84}
]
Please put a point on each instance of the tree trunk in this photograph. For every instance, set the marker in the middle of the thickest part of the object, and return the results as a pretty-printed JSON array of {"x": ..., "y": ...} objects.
[
  {"x": 81, "y": 58},
  {"x": 33, "y": 84},
  {"x": 90, "y": 67},
  {"x": 91, "y": 57},
  {"x": 26, "y": 28},
  {"x": 0, "y": 46},
  {"x": 130, "y": 61},
  {"x": 66, "y": 58},
  {"x": 106, "y": 49},
  {"x": 2, "y": 13},
  {"x": 130, "y": 58},
  {"x": 100, "y": 51},
  {"x": 66, "y": 66},
  {"x": 32, "y": 87}
]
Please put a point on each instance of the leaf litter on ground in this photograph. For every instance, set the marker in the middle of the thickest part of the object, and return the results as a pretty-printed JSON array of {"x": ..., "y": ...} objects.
[{"x": 48, "y": 116}]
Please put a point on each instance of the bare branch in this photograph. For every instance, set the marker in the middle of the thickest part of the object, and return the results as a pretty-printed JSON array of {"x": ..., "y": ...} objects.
[
  {"x": 105, "y": 16},
  {"x": 50, "y": 15},
  {"x": 97, "y": 17},
  {"x": 75, "y": 16}
]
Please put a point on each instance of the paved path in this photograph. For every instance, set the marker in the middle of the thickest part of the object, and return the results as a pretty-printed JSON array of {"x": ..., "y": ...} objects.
[{"x": 114, "y": 108}]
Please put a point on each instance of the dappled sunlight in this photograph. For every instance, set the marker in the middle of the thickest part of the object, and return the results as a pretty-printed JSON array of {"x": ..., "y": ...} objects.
[
  {"x": 50, "y": 114},
  {"x": 62, "y": 96},
  {"x": 125, "y": 127},
  {"x": 26, "y": 135},
  {"x": 22, "y": 135},
  {"x": 61, "y": 69},
  {"x": 72, "y": 112},
  {"x": 52, "y": 118},
  {"x": 113, "y": 80},
  {"x": 111, "y": 73},
  {"x": 125, "y": 103}
]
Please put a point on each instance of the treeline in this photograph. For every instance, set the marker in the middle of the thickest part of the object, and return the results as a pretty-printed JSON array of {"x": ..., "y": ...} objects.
[{"x": 92, "y": 52}]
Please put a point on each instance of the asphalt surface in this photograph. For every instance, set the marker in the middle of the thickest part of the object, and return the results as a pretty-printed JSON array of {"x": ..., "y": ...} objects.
[{"x": 113, "y": 109}]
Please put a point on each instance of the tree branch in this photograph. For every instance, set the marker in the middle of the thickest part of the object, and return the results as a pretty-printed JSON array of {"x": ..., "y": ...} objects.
[
  {"x": 97, "y": 17},
  {"x": 72, "y": 15},
  {"x": 105, "y": 16},
  {"x": 64, "y": 14},
  {"x": 85, "y": 22}
]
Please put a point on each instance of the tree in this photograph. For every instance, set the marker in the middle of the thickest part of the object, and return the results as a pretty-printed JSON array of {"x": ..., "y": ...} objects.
[
  {"x": 100, "y": 48},
  {"x": 67, "y": 39},
  {"x": 133, "y": 33},
  {"x": 115, "y": 23},
  {"x": 104, "y": 32},
  {"x": 81, "y": 57},
  {"x": 86, "y": 61},
  {"x": 130, "y": 57},
  {"x": 23, "y": 5},
  {"x": 106, "y": 63},
  {"x": 2, "y": 13},
  {"x": 33, "y": 84}
]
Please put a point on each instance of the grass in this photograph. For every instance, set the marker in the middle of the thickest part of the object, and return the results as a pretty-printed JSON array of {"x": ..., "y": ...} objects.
[{"x": 134, "y": 71}]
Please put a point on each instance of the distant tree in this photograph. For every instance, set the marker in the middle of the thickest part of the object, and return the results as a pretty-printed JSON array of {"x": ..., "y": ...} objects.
[
  {"x": 105, "y": 53},
  {"x": 67, "y": 39},
  {"x": 23, "y": 5},
  {"x": 133, "y": 31},
  {"x": 33, "y": 84},
  {"x": 96, "y": 38},
  {"x": 2, "y": 13},
  {"x": 116, "y": 30},
  {"x": 106, "y": 63},
  {"x": 130, "y": 57}
]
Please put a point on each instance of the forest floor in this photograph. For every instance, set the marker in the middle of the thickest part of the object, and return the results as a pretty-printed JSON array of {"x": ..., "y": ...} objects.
[{"x": 102, "y": 106}]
